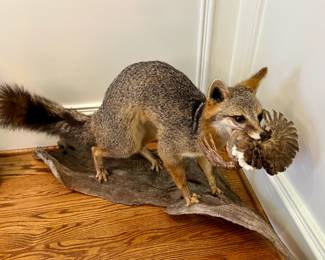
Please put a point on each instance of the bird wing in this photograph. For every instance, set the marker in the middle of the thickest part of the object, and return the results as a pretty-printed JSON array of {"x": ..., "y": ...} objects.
[{"x": 279, "y": 150}]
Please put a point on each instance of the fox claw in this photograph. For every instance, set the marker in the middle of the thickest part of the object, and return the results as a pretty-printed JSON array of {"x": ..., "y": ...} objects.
[
  {"x": 156, "y": 166},
  {"x": 216, "y": 191},
  {"x": 102, "y": 175},
  {"x": 192, "y": 200}
]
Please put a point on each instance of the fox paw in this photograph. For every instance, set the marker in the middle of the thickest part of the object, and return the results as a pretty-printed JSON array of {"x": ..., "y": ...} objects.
[
  {"x": 102, "y": 175},
  {"x": 156, "y": 165},
  {"x": 216, "y": 191},
  {"x": 192, "y": 200}
]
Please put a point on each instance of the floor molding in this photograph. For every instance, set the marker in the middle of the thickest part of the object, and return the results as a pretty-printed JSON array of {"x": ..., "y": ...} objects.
[
  {"x": 288, "y": 214},
  {"x": 311, "y": 232}
]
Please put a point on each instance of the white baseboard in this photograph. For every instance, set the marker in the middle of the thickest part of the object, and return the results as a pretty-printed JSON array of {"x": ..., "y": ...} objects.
[
  {"x": 289, "y": 216},
  {"x": 87, "y": 109}
]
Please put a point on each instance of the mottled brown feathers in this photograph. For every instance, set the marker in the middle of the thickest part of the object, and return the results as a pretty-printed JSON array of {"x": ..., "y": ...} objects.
[{"x": 21, "y": 109}]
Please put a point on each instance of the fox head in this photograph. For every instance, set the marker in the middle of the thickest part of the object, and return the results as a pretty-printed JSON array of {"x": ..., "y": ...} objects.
[{"x": 235, "y": 108}]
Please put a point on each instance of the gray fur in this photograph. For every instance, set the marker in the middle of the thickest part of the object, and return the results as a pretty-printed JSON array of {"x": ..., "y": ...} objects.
[
  {"x": 240, "y": 101},
  {"x": 147, "y": 101},
  {"x": 166, "y": 97},
  {"x": 163, "y": 94}
]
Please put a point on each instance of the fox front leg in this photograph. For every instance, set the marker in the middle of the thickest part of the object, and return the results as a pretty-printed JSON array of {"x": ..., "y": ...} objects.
[
  {"x": 177, "y": 173},
  {"x": 207, "y": 169}
]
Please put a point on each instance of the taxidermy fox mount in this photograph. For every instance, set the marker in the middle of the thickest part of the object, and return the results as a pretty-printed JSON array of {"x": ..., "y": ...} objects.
[{"x": 147, "y": 101}]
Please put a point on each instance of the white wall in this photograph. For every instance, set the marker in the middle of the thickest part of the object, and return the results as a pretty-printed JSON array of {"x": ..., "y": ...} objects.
[
  {"x": 289, "y": 38},
  {"x": 292, "y": 45},
  {"x": 70, "y": 51},
  {"x": 223, "y": 40}
]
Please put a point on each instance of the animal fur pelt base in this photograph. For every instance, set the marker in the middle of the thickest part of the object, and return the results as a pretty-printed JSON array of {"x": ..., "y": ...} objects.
[{"x": 131, "y": 182}]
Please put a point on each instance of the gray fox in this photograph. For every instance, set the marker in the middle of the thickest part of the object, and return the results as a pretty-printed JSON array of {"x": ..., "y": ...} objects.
[{"x": 147, "y": 101}]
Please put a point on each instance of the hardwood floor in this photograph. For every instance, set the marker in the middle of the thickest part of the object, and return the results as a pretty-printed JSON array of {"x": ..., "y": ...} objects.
[{"x": 41, "y": 219}]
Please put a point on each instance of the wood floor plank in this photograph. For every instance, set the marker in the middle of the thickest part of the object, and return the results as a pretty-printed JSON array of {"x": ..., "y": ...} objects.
[{"x": 41, "y": 219}]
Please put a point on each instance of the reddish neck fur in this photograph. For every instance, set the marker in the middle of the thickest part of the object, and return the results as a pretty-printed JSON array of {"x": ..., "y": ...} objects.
[{"x": 205, "y": 127}]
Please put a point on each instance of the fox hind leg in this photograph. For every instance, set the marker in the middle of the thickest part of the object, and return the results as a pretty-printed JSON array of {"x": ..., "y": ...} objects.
[
  {"x": 155, "y": 162},
  {"x": 98, "y": 155}
]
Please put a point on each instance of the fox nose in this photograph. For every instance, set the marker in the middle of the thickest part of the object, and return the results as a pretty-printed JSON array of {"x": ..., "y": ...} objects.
[
  {"x": 256, "y": 132},
  {"x": 265, "y": 135}
]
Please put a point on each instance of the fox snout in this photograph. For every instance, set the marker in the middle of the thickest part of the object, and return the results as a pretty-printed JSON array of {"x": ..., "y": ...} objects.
[
  {"x": 255, "y": 135},
  {"x": 258, "y": 134}
]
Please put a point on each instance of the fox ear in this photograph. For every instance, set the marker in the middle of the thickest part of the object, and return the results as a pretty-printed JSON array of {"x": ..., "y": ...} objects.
[
  {"x": 217, "y": 91},
  {"x": 254, "y": 81}
]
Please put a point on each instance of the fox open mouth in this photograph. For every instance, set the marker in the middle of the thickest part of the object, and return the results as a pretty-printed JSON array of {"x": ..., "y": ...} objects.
[{"x": 274, "y": 151}]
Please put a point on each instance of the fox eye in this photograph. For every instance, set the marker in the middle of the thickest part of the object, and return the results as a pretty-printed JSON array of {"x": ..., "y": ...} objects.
[
  {"x": 260, "y": 117},
  {"x": 240, "y": 119}
]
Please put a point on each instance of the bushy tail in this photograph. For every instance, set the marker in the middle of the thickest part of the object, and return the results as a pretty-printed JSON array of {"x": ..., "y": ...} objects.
[{"x": 21, "y": 109}]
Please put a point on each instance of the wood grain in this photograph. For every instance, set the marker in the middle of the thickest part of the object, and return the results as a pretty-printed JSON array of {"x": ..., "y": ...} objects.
[{"x": 41, "y": 219}]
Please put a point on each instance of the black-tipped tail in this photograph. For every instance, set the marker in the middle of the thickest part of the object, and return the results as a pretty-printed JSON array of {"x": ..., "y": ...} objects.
[{"x": 21, "y": 109}]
